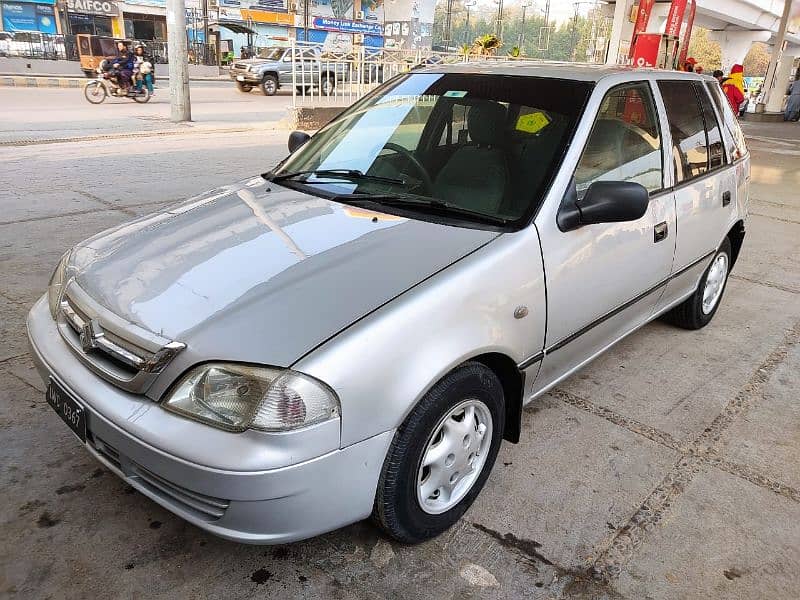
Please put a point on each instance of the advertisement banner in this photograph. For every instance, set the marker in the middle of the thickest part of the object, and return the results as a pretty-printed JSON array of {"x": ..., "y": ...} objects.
[
  {"x": 28, "y": 17},
  {"x": 347, "y": 26},
  {"x": 642, "y": 19},
  {"x": 675, "y": 18},
  {"x": 645, "y": 52}
]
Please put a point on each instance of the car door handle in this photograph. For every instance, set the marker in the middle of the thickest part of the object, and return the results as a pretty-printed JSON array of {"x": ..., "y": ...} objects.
[
  {"x": 660, "y": 232},
  {"x": 726, "y": 198}
]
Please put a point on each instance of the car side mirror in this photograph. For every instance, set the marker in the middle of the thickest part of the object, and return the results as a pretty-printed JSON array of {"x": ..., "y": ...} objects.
[
  {"x": 297, "y": 139},
  {"x": 603, "y": 202}
]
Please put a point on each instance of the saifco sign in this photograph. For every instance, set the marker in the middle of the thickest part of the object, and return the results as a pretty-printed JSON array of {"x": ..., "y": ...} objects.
[{"x": 93, "y": 7}]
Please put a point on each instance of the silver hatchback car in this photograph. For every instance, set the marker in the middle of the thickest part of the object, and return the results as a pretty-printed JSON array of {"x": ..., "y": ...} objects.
[{"x": 355, "y": 332}]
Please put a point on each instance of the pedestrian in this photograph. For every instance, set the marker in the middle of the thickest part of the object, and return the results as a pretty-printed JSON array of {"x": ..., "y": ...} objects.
[
  {"x": 688, "y": 66},
  {"x": 733, "y": 86},
  {"x": 698, "y": 69},
  {"x": 146, "y": 67},
  {"x": 719, "y": 76},
  {"x": 793, "y": 103}
]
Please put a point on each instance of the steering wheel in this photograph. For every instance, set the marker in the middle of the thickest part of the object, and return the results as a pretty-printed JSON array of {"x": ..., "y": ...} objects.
[{"x": 427, "y": 182}]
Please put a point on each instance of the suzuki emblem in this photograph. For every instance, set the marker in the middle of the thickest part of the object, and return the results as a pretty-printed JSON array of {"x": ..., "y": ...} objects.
[{"x": 90, "y": 334}]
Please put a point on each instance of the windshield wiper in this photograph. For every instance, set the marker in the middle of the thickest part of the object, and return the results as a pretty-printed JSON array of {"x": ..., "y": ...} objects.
[
  {"x": 430, "y": 205},
  {"x": 347, "y": 174}
]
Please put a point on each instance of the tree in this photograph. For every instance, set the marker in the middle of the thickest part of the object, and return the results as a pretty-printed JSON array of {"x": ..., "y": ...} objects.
[
  {"x": 487, "y": 44},
  {"x": 757, "y": 60},
  {"x": 706, "y": 52}
]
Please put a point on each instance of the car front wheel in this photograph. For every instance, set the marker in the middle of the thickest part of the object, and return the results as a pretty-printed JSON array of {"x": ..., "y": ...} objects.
[
  {"x": 269, "y": 85},
  {"x": 243, "y": 87},
  {"x": 441, "y": 455},
  {"x": 698, "y": 309}
]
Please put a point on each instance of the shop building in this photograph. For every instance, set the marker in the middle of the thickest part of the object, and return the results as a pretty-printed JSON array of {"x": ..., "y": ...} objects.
[
  {"x": 97, "y": 17},
  {"x": 30, "y": 15}
]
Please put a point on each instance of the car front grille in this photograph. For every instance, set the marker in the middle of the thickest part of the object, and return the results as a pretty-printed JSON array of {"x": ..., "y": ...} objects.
[
  {"x": 240, "y": 66},
  {"x": 208, "y": 508},
  {"x": 106, "y": 344}
]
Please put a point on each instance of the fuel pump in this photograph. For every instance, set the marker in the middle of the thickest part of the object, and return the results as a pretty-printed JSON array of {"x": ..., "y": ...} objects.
[{"x": 667, "y": 50}]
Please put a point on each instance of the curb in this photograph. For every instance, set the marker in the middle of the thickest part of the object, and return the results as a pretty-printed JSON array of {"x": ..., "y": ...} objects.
[
  {"x": 43, "y": 82},
  {"x": 51, "y": 81}
]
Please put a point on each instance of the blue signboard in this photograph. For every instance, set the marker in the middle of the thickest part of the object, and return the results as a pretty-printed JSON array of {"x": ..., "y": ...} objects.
[
  {"x": 28, "y": 17},
  {"x": 347, "y": 26}
]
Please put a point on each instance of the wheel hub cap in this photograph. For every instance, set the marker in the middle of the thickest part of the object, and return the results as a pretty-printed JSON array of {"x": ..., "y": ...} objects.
[
  {"x": 454, "y": 456},
  {"x": 715, "y": 282}
]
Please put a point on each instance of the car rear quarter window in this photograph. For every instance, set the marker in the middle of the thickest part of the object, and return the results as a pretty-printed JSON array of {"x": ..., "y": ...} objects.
[
  {"x": 689, "y": 140},
  {"x": 716, "y": 152},
  {"x": 625, "y": 142}
]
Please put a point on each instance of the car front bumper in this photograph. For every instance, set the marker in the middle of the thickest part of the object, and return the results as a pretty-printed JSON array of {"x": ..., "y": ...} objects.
[
  {"x": 246, "y": 77},
  {"x": 265, "y": 506}
]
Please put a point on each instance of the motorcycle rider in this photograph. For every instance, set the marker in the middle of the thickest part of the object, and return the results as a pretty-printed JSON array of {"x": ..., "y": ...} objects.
[
  {"x": 145, "y": 68},
  {"x": 124, "y": 62}
]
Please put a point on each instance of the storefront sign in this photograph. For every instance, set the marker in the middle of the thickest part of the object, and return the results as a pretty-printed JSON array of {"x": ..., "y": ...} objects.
[
  {"x": 265, "y": 16},
  {"x": 347, "y": 26},
  {"x": 94, "y": 7}
]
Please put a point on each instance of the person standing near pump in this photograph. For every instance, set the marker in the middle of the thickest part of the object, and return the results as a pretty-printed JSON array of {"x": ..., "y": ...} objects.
[
  {"x": 733, "y": 86},
  {"x": 719, "y": 76},
  {"x": 792, "y": 112}
]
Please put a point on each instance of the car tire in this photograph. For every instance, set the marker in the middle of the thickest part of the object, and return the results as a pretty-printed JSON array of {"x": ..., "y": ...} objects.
[
  {"x": 698, "y": 309},
  {"x": 327, "y": 86},
  {"x": 243, "y": 87},
  {"x": 303, "y": 90},
  {"x": 269, "y": 85},
  {"x": 465, "y": 411}
]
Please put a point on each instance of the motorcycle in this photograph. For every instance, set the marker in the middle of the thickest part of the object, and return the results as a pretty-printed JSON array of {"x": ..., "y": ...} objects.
[{"x": 107, "y": 84}]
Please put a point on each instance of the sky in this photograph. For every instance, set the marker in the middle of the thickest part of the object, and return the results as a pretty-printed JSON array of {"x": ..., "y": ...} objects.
[{"x": 560, "y": 10}]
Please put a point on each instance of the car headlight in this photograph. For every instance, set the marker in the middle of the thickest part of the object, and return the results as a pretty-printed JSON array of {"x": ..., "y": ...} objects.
[
  {"x": 55, "y": 288},
  {"x": 237, "y": 397}
]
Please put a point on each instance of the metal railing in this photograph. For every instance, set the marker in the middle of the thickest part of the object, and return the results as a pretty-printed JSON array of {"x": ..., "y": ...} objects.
[
  {"x": 322, "y": 76},
  {"x": 33, "y": 44}
]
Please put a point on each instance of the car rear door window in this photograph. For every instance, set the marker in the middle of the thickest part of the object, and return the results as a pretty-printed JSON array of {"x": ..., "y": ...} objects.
[
  {"x": 738, "y": 147},
  {"x": 716, "y": 152},
  {"x": 625, "y": 142},
  {"x": 689, "y": 140}
]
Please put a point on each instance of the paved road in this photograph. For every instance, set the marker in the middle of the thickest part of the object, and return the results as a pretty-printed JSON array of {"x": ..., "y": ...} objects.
[
  {"x": 670, "y": 463},
  {"x": 41, "y": 113}
]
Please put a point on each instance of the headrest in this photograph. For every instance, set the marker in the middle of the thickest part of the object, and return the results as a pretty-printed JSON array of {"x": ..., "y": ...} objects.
[{"x": 486, "y": 121}]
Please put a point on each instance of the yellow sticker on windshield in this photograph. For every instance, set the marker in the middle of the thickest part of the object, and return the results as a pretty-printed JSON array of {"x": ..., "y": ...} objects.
[{"x": 532, "y": 122}]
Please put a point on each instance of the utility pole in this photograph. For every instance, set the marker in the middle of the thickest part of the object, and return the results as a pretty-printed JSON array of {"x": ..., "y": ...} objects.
[
  {"x": 499, "y": 27},
  {"x": 180, "y": 104},
  {"x": 205, "y": 31},
  {"x": 777, "y": 54},
  {"x": 572, "y": 33},
  {"x": 447, "y": 23},
  {"x": 521, "y": 42},
  {"x": 467, "y": 5}
]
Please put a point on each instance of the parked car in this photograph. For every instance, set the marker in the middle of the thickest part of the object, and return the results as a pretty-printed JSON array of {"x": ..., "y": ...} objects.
[
  {"x": 273, "y": 66},
  {"x": 6, "y": 37},
  {"x": 355, "y": 332},
  {"x": 34, "y": 44}
]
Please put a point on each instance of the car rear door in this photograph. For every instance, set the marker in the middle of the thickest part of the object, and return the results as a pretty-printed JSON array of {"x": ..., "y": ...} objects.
[
  {"x": 604, "y": 280},
  {"x": 704, "y": 182}
]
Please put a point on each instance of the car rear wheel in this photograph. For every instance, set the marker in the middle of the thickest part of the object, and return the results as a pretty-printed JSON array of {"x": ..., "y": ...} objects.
[
  {"x": 326, "y": 86},
  {"x": 697, "y": 311},
  {"x": 441, "y": 455},
  {"x": 269, "y": 85},
  {"x": 243, "y": 87}
]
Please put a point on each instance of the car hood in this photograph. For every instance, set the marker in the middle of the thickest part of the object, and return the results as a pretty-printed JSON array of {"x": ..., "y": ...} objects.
[
  {"x": 256, "y": 61},
  {"x": 260, "y": 273}
]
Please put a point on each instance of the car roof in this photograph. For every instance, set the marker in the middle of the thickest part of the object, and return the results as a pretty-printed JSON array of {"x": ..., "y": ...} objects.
[{"x": 555, "y": 70}]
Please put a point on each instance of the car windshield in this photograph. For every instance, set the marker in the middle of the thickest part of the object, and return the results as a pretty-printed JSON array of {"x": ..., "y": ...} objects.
[
  {"x": 271, "y": 53},
  {"x": 478, "y": 148}
]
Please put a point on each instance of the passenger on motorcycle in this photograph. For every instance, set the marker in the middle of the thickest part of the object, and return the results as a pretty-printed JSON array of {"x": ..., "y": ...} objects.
[{"x": 144, "y": 69}]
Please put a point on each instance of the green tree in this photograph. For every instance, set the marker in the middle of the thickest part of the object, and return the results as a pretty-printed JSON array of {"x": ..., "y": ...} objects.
[
  {"x": 757, "y": 60},
  {"x": 706, "y": 52}
]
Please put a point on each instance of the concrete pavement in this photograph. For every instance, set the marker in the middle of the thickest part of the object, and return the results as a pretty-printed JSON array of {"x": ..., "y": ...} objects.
[
  {"x": 668, "y": 468},
  {"x": 42, "y": 115}
]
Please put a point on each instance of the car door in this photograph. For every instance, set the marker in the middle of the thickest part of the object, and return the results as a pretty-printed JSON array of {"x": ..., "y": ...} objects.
[
  {"x": 604, "y": 280},
  {"x": 705, "y": 183}
]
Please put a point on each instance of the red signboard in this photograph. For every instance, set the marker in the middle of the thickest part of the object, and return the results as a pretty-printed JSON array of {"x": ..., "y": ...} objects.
[
  {"x": 687, "y": 34},
  {"x": 645, "y": 50},
  {"x": 675, "y": 18},
  {"x": 642, "y": 19}
]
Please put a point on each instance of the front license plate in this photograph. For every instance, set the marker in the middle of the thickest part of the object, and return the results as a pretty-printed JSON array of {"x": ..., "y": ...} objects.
[
  {"x": 70, "y": 411},
  {"x": 240, "y": 78}
]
